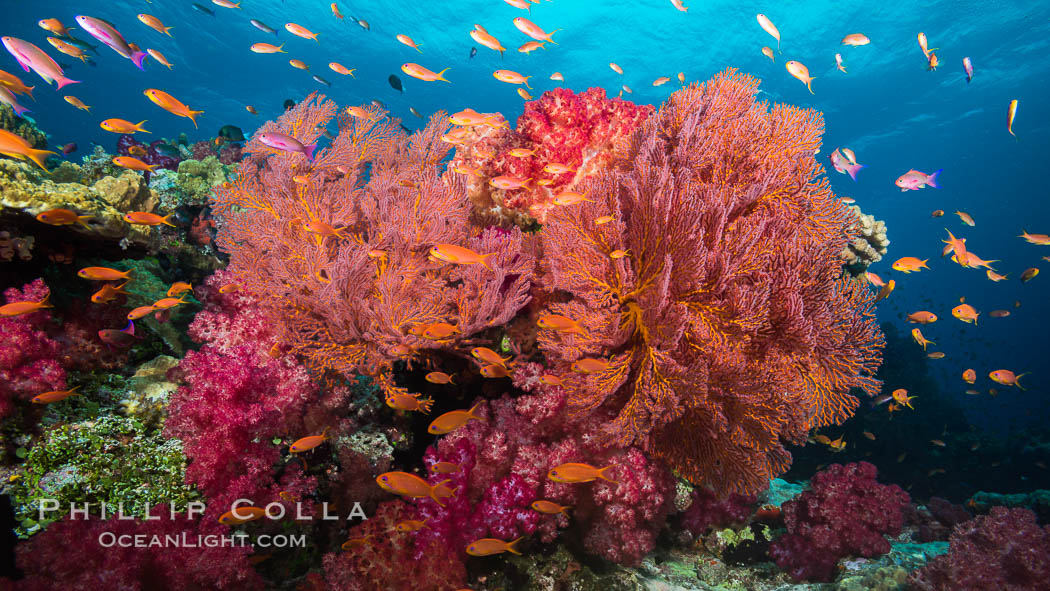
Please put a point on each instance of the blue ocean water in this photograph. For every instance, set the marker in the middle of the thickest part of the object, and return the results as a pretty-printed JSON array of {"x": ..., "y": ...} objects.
[{"x": 894, "y": 113}]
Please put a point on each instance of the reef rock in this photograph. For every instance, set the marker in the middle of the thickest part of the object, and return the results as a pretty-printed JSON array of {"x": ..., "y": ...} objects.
[{"x": 867, "y": 248}]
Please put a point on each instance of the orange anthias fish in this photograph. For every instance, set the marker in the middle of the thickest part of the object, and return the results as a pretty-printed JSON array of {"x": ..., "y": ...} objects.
[
  {"x": 507, "y": 182},
  {"x": 458, "y": 255},
  {"x": 512, "y": 77},
  {"x": 922, "y": 317},
  {"x": 909, "y": 264},
  {"x": 958, "y": 246},
  {"x": 355, "y": 543},
  {"x": 999, "y": 313},
  {"x": 153, "y": 53},
  {"x": 406, "y": 40},
  {"x": 17, "y": 147},
  {"x": 936, "y": 355},
  {"x": 154, "y": 23},
  {"x": 171, "y": 104},
  {"x": 965, "y": 217},
  {"x": 140, "y": 312},
  {"x": 934, "y": 61},
  {"x": 902, "y": 398},
  {"x": 974, "y": 261},
  {"x": 267, "y": 48},
  {"x": 561, "y": 323},
  {"x": 855, "y": 39},
  {"x": 439, "y": 330},
  {"x": 166, "y": 303},
  {"x": 309, "y": 442},
  {"x": 574, "y": 473},
  {"x": 179, "y": 287},
  {"x": 966, "y": 313},
  {"x": 490, "y": 546},
  {"x": 405, "y": 485},
  {"x": 494, "y": 371},
  {"x": 409, "y": 403},
  {"x": 1040, "y": 239},
  {"x": 589, "y": 365},
  {"x": 68, "y": 49},
  {"x": 768, "y": 52},
  {"x": 19, "y": 308},
  {"x": 335, "y": 11},
  {"x": 301, "y": 31},
  {"x": 552, "y": 380},
  {"x": 923, "y": 45},
  {"x": 53, "y": 25},
  {"x": 438, "y": 377},
  {"x": 530, "y": 47},
  {"x": 768, "y": 26},
  {"x": 917, "y": 335},
  {"x": 483, "y": 38},
  {"x": 419, "y": 72},
  {"x": 15, "y": 84},
  {"x": 145, "y": 218},
  {"x": 566, "y": 198},
  {"x": 241, "y": 515},
  {"x": 121, "y": 126},
  {"x": 993, "y": 275},
  {"x": 444, "y": 468},
  {"x": 1029, "y": 274},
  {"x": 550, "y": 508},
  {"x": 103, "y": 274},
  {"x": 800, "y": 71},
  {"x": 886, "y": 290},
  {"x": 969, "y": 376},
  {"x": 874, "y": 279},
  {"x": 410, "y": 525},
  {"x": 1010, "y": 117},
  {"x": 55, "y": 396},
  {"x": 1006, "y": 378},
  {"x": 108, "y": 293},
  {"x": 62, "y": 217},
  {"x": 936, "y": 213},
  {"x": 489, "y": 356},
  {"x": 453, "y": 420},
  {"x": 133, "y": 164},
  {"x": 339, "y": 68},
  {"x": 533, "y": 30},
  {"x": 298, "y": 64}
]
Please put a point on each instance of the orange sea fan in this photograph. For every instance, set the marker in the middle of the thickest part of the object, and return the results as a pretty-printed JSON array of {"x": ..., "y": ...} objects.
[{"x": 727, "y": 326}]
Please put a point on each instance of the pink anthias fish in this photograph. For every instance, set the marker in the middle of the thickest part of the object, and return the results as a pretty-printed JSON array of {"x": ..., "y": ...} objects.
[
  {"x": 108, "y": 34},
  {"x": 31, "y": 57},
  {"x": 842, "y": 165},
  {"x": 914, "y": 180},
  {"x": 968, "y": 68},
  {"x": 287, "y": 143}
]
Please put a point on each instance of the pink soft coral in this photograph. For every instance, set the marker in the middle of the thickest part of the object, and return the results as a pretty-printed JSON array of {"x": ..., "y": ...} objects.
[{"x": 29, "y": 358}]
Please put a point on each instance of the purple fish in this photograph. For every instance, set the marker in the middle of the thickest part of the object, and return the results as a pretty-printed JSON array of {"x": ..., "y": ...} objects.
[
  {"x": 31, "y": 57},
  {"x": 843, "y": 166},
  {"x": 108, "y": 34},
  {"x": 118, "y": 338},
  {"x": 69, "y": 148},
  {"x": 6, "y": 96},
  {"x": 287, "y": 143}
]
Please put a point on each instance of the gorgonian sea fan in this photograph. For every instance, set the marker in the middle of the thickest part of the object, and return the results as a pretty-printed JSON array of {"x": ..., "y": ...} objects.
[
  {"x": 727, "y": 326},
  {"x": 347, "y": 303}
]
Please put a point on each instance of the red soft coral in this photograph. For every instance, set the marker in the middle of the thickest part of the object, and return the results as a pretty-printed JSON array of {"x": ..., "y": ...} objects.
[
  {"x": 845, "y": 513},
  {"x": 29, "y": 359},
  {"x": 1005, "y": 550}
]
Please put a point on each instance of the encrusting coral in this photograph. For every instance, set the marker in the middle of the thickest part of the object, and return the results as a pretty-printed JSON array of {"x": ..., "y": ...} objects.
[{"x": 868, "y": 246}]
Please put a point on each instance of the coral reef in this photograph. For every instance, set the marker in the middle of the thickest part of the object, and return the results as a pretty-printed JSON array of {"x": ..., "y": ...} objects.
[
  {"x": 68, "y": 556},
  {"x": 1004, "y": 550},
  {"x": 846, "y": 512},
  {"x": 22, "y": 127},
  {"x": 112, "y": 460},
  {"x": 152, "y": 156},
  {"x": 714, "y": 320},
  {"x": 146, "y": 399},
  {"x": 707, "y": 510},
  {"x": 190, "y": 185},
  {"x": 580, "y": 131},
  {"x": 27, "y": 190},
  {"x": 866, "y": 248},
  {"x": 1037, "y": 500},
  {"x": 29, "y": 358},
  {"x": 935, "y": 520}
]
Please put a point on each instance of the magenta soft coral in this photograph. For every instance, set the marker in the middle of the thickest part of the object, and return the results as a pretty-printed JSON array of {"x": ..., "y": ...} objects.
[
  {"x": 29, "y": 358},
  {"x": 1005, "y": 550},
  {"x": 846, "y": 512},
  {"x": 70, "y": 555},
  {"x": 504, "y": 463},
  {"x": 709, "y": 510}
]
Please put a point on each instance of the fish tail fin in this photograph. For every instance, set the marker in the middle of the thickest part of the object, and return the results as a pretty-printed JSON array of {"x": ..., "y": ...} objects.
[
  {"x": 120, "y": 288},
  {"x": 932, "y": 179},
  {"x": 46, "y": 302},
  {"x": 853, "y": 169},
  {"x": 551, "y": 34},
  {"x": 308, "y": 151},
  {"x": 315, "y": 38},
  {"x": 193, "y": 117},
  {"x": 433, "y": 494},
  {"x": 511, "y": 546},
  {"x": 130, "y": 328},
  {"x": 472, "y": 409},
  {"x": 73, "y": 391},
  {"x": 137, "y": 57},
  {"x": 280, "y": 48},
  {"x": 425, "y": 404},
  {"x": 167, "y": 31},
  {"x": 527, "y": 82},
  {"x": 602, "y": 475},
  {"x": 39, "y": 156},
  {"x": 126, "y": 274},
  {"x": 484, "y": 260},
  {"x": 441, "y": 75},
  {"x": 418, "y": 49},
  {"x": 1017, "y": 381},
  {"x": 63, "y": 81},
  {"x": 138, "y": 126},
  {"x": 809, "y": 84},
  {"x": 80, "y": 220},
  {"x": 923, "y": 262},
  {"x": 29, "y": 91},
  {"x": 20, "y": 110},
  {"x": 164, "y": 220}
]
